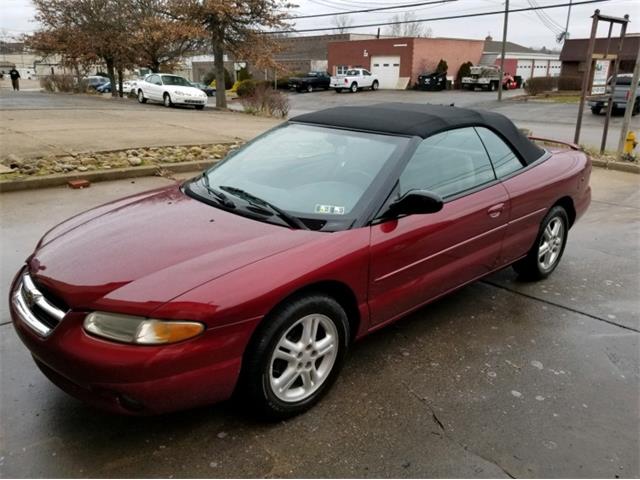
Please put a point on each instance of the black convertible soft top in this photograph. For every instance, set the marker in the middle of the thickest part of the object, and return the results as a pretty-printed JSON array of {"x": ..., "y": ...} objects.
[{"x": 422, "y": 120}]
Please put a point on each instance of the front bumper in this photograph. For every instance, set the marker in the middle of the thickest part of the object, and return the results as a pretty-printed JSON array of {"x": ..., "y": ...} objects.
[
  {"x": 604, "y": 103},
  {"x": 136, "y": 379},
  {"x": 189, "y": 100}
]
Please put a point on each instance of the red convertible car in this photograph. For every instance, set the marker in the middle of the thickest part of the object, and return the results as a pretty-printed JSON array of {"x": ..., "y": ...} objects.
[{"x": 256, "y": 276}]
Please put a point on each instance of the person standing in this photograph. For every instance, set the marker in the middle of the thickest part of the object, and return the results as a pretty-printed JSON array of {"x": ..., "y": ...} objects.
[{"x": 15, "y": 79}]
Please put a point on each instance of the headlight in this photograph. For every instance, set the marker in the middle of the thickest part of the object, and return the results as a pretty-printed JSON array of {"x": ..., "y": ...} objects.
[
  {"x": 178, "y": 92},
  {"x": 139, "y": 330}
]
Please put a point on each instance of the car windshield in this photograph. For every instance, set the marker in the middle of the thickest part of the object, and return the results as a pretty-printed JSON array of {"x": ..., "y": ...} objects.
[
  {"x": 309, "y": 171},
  {"x": 173, "y": 80}
]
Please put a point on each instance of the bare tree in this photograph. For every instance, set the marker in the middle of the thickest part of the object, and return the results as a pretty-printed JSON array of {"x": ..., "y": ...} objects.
[
  {"x": 408, "y": 27},
  {"x": 342, "y": 23},
  {"x": 236, "y": 28}
]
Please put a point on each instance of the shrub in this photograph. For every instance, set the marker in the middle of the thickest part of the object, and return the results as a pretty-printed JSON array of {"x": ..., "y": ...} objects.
[
  {"x": 463, "y": 71},
  {"x": 210, "y": 79},
  {"x": 442, "y": 66},
  {"x": 243, "y": 74},
  {"x": 59, "y": 83},
  {"x": 537, "y": 85},
  {"x": 246, "y": 88},
  {"x": 266, "y": 101},
  {"x": 569, "y": 83}
]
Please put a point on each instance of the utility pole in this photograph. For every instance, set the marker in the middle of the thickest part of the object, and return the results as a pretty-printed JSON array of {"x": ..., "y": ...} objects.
[
  {"x": 504, "y": 47},
  {"x": 566, "y": 28},
  {"x": 630, "y": 104}
]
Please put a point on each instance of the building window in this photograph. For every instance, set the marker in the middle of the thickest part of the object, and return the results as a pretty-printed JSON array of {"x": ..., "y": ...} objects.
[{"x": 342, "y": 69}]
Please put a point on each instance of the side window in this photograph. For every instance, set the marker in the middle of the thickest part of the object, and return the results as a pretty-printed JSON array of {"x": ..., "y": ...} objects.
[
  {"x": 447, "y": 164},
  {"x": 366, "y": 72},
  {"x": 158, "y": 80},
  {"x": 503, "y": 159},
  {"x": 152, "y": 79}
]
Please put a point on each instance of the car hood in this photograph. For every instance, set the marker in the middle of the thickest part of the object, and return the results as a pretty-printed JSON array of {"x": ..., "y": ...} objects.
[
  {"x": 190, "y": 90},
  {"x": 145, "y": 250}
]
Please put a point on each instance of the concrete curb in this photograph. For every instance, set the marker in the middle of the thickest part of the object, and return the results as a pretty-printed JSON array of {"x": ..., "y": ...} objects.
[
  {"x": 619, "y": 166},
  {"x": 46, "y": 181}
]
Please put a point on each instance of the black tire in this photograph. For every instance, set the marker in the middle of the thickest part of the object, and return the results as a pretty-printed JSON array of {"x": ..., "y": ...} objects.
[
  {"x": 309, "y": 88},
  {"x": 530, "y": 268},
  {"x": 255, "y": 382},
  {"x": 199, "y": 107},
  {"x": 492, "y": 86},
  {"x": 141, "y": 98},
  {"x": 375, "y": 85},
  {"x": 596, "y": 110},
  {"x": 166, "y": 100},
  {"x": 353, "y": 88}
]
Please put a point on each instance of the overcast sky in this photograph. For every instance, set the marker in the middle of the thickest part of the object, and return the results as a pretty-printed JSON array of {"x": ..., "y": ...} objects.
[{"x": 526, "y": 28}]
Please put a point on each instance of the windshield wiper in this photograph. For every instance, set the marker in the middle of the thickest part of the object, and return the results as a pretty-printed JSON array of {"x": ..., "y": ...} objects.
[
  {"x": 259, "y": 202},
  {"x": 224, "y": 200}
]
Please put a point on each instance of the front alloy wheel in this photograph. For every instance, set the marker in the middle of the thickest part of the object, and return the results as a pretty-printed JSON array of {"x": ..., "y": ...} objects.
[
  {"x": 303, "y": 358},
  {"x": 167, "y": 100},
  {"x": 141, "y": 98},
  {"x": 295, "y": 356},
  {"x": 309, "y": 88}
]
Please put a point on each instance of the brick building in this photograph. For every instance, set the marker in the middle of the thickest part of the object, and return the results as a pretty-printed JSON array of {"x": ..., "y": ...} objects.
[
  {"x": 522, "y": 61},
  {"x": 399, "y": 61},
  {"x": 574, "y": 53}
]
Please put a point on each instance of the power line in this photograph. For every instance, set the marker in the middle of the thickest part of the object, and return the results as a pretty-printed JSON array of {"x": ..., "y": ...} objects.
[
  {"x": 376, "y": 9},
  {"x": 436, "y": 19}
]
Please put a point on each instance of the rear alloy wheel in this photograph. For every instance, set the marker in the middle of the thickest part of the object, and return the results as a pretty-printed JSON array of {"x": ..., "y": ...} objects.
[
  {"x": 141, "y": 98},
  {"x": 375, "y": 85},
  {"x": 309, "y": 88},
  {"x": 166, "y": 99},
  {"x": 354, "y": 87},
  {"x": 548, "y": 248},
  {"x": 296, "y": 356}
]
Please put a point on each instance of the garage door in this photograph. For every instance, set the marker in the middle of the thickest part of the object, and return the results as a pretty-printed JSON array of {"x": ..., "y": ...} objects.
[
  {"x": 524, "y": 69},
  {"x": 387, "y": 69}
]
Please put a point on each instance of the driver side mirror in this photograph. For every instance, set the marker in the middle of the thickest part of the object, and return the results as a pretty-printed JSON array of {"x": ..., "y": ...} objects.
[{"x": 416, "y": 202}]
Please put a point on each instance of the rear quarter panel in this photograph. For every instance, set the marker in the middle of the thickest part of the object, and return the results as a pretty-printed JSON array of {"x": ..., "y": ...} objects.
[{"x": 534, "y": 191}]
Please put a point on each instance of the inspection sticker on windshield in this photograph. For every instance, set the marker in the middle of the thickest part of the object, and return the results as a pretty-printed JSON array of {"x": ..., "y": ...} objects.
[{"x": 329, "y": 209}]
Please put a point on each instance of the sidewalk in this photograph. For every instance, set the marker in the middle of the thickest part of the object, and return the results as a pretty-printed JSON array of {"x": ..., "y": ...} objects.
[{"x": 39, "y": 124}]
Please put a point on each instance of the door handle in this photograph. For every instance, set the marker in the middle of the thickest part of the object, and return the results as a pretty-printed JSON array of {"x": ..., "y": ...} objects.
[{"x": 496, "y": 210}]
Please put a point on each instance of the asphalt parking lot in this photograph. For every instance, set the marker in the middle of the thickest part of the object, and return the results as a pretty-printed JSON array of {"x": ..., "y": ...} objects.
[
  {"x": 500, "y": 379},
  {"x": 544, "y": 119}
]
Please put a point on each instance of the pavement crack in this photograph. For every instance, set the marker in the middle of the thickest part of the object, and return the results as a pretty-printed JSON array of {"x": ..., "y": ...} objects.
[
  {"x": 559, "y": 305},
  {"x": 448, "y": 436}
]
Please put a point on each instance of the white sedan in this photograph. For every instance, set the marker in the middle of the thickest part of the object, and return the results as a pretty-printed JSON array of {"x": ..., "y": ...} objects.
[{"x": 170, "y": 90}]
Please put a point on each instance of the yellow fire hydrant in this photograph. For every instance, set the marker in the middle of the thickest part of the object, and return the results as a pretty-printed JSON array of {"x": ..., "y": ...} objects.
[{"x": 630, "y": 143}]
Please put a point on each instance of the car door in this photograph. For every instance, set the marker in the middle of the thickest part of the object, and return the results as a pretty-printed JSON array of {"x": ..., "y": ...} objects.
[
  {"x": 529, "y": 202},
  {"x": 367, "y": 78},
  {"x": 419, "y": 257},
  {"x": 154, "y": 85}
]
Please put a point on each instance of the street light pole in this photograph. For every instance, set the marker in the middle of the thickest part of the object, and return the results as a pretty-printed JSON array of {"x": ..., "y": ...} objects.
[{"x": 504, "y": 47}]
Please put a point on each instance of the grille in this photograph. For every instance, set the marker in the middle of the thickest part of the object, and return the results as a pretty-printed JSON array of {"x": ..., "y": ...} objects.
[{"x": 34, "y": 309}]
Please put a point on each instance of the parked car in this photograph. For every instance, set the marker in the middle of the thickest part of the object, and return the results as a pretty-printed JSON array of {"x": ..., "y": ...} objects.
[
  {"x": 310, "y": 82},
  {"x": 104, "y": 88},
  {"x": 434, "y": 81},
  {"x": 257, "y": 276},
  {"x": 621, "y": 94},
  {"x": 94, "y": 81},
  {"x": 170, "y": 90},
  {"x": 354, "y": 80},
  {"x": 209, "y": 90}
]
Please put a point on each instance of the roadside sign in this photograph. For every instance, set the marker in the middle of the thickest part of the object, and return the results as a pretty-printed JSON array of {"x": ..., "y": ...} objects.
[{"x": 600, "y": 76}]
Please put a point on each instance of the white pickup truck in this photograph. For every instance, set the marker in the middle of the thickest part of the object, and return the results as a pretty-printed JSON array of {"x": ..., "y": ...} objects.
[{"x": 354, "y": 80}]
